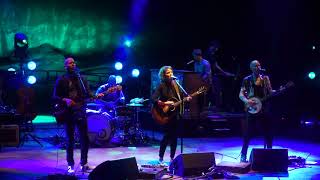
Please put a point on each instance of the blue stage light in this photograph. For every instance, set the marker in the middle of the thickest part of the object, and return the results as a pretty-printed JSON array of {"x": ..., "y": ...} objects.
[
  {"x": 128, "y": 43},
  {"x": 135, "y": 73},
  {"x": 118, "y": 79},
  {"x": 32, "y": 65},
  {"x": 118, "y": 66},
  {"x": 32, "y": 79}
]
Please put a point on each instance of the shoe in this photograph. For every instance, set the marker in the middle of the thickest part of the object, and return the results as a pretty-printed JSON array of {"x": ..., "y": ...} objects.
[
  {"x": 162, "y": 163},
  {"x": 243, "y": 158},
  {"x": 86, "y": 168},
  {"x": 70, "y": 169}
]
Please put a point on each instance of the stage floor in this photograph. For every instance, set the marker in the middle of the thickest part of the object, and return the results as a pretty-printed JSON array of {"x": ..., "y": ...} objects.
[{"x": 32, "y": 161}]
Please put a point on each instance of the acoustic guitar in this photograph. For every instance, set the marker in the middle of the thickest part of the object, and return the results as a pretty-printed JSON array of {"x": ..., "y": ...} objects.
[{"x": 162, "y": 115}]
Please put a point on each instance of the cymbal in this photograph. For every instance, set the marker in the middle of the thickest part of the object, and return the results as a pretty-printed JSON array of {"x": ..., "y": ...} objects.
[{"x": 134, "y": 105}]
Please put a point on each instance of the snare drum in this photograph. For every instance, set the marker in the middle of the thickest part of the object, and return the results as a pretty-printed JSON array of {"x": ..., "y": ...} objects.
[{"x": 100, "y": 128}]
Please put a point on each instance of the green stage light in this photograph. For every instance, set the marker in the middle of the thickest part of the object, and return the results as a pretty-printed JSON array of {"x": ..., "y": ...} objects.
[{"x": 311, "y": 75}]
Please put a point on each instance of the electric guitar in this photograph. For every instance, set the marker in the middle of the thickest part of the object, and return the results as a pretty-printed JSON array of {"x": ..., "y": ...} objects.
[
  {"x": 113, "y": 88},
  {"x": 162, "y": 115},
  {"x": 62, "y": 112},
  {"x": 257, "y": 106}
]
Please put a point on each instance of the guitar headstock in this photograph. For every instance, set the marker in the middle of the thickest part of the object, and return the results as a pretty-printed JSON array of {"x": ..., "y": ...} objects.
[
  {"x": 202, "y": 89},
  {"x": 287, "y": 85}
]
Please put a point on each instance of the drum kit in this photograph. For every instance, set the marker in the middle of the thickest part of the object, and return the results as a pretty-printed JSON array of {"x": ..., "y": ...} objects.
[{"x": 119, "y": 124}]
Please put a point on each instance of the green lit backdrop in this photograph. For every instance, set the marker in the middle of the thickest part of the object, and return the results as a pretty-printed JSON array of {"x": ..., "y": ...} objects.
[{"x": 71, "y": 27}]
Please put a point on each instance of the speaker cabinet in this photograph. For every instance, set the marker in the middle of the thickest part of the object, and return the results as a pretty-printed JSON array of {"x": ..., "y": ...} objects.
[
  {"x": 269, "y": 160},
  {"x": 192, "y": 164},
  {"x": 9, "y": 135},
  {"x": 116, "y": 169}
]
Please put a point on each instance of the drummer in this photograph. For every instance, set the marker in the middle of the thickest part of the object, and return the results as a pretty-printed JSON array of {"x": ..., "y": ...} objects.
[{"x": 113, "y": 95}]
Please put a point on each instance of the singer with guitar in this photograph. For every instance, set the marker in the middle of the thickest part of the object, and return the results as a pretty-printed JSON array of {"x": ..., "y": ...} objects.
[
  {"x": 256, "y": 85},
  {"x": 163, "y": 96},
  {"x": 71, "y": 90}
]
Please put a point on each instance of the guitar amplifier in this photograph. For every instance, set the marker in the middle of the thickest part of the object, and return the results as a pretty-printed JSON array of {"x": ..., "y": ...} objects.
[{"x": 9, "y": 135}]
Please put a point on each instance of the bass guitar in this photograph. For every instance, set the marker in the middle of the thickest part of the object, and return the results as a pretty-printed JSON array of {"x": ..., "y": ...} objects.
[
  {"x": 62, "y": 112},
  {"x": 162, "y": 115},
  {"x": 257, "y": 105}
]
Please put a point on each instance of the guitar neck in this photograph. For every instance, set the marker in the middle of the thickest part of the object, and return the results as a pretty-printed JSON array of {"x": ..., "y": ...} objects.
[{"x": 184, "y": 99}]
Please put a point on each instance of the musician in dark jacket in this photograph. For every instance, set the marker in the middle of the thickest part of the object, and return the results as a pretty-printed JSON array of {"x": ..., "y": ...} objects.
[
  {"x": 256, "y": 85},
  {"x": 71, "y": 90},
  {"x": 164, "y": 95}
]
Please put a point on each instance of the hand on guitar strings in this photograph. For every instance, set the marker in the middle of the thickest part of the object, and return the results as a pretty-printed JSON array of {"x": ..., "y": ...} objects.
[
  {"x": 160, "y": 103},
  {"x": 251, "y": 102}
]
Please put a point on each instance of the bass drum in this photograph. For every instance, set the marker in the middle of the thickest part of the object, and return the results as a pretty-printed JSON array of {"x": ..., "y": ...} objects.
[{"x": 100, "y": 128}]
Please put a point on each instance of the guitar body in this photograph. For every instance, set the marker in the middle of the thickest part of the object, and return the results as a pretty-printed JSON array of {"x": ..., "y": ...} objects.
[
  {"x": 162, "y": 115},
  {"x": 61, "y": 113},
  {"x": 256, "y": 108}
]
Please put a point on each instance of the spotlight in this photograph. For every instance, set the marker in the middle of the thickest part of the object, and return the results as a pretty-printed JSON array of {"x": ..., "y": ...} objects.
[
  {"x": 118, "y": 79},
  {"x": 135, "y": 73},
  {"x": 128, "y": 43},
  {"x": 311, "y": 75},
  {"x": 31, "y": 79},
  {"x": 118, "y": 66},
  {"x": 32, "y": 65}
]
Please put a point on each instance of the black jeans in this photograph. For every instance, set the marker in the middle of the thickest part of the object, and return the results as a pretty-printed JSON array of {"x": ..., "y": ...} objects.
[
  {"x": 170, "y": 137},
  {"x": 249, "y": 125},
  {"x": 77, "y": 119}
]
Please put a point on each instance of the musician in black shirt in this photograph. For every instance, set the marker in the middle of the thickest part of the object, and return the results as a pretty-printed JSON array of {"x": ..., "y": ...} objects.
[
  {"x": 71, "y": 90},
  {"x": 255, "y": 85},
  {"x": 163, "y": 96}
]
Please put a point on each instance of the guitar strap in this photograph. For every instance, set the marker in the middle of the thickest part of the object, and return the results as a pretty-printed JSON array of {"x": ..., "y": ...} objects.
[{"x": 176, "y": 88}]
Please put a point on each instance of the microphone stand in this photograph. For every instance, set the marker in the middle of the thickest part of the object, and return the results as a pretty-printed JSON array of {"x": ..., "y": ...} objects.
[
  {"x": 82, "y": 84},
  {"x": 184, "y": 92}
]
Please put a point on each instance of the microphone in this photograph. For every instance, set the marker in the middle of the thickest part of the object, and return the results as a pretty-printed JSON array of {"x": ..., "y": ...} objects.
[
  {"x": 190, "y": 62},
  {"x": 173, "y": 77},
  {"x": 262, "y": 69},
  {"x": 77, "y": 71}
]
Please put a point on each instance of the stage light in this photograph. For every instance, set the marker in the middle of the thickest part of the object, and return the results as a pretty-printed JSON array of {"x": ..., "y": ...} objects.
[
  {"x": 31, "y": 79},
  {"x": 128, "y": 43},
  {"x": 313, "y": 47},
  {"x": 118, "y": 79},
  {"x": 118, "y": 66},
  {"x": 135, "y": 73},
  {"x": 32, "y": 65},
  {"x": 311, "y": 75}
]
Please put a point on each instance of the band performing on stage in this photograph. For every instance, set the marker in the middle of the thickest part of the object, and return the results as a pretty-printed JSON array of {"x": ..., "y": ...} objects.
[{"x": 77, "y": 106}]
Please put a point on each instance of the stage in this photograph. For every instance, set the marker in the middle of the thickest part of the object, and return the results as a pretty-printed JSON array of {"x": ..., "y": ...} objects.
[{"x": 31, "y": 161}]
